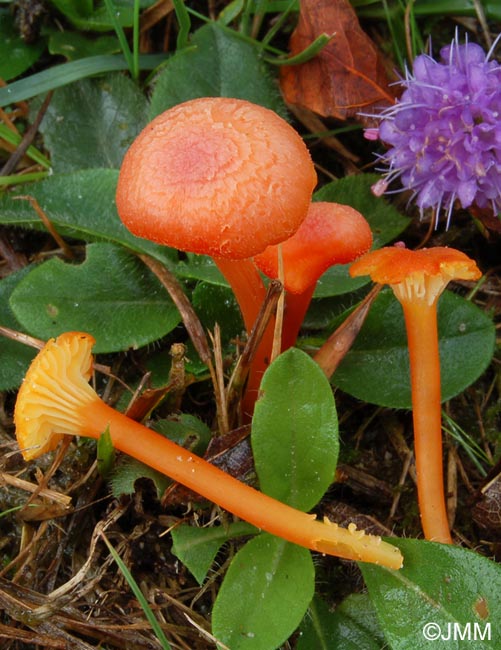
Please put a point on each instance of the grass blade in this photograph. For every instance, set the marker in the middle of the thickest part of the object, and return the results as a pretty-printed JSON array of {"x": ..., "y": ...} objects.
[
  {"x": 155, "y": 625},
  {"x": 66, "y": 73}
]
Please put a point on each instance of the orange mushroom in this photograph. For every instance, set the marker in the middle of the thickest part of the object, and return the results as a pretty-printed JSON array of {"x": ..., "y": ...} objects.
[
  {"x": 221, "y": 177},
  {"x": 56, "y": 399},
  {"x": 331, "y": 234},
  {"x": 417, "y": 279}
]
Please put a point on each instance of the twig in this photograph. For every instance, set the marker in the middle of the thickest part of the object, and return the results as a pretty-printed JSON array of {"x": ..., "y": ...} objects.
[
  {"x": 339, "y": 342},
  {"x": 47, "y": 223},
  {"x": 191, "y": 321},
  {"x": 28, "y": 137},
  {"x": 241, "y": 370}
]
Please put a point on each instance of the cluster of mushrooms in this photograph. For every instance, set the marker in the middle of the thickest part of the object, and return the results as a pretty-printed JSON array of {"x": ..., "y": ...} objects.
[{"x": 226, "y": 178}]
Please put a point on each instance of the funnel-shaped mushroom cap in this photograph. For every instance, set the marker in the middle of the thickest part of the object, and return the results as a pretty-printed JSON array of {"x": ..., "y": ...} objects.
[
  {"x": 331, "y": 234},
  {"x": 216, "y": 176},
  {"x": 55, "y": 383},
  {"x": 422, "y": 273}
]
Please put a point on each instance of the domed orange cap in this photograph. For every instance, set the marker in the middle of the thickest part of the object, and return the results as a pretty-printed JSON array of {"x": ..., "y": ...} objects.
[
  {"x": 331, "y": 234},
  {"x": 216, "y": 176}
]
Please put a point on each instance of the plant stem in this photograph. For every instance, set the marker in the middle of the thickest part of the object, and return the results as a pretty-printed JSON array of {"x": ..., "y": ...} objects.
[
  {"x": 250, "y": 293},
  {"x": 422, "y": 335},
  {"x": 243, "y": 501}
]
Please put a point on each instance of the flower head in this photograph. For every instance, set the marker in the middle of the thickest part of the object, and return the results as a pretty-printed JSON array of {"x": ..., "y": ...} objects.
[{"x": 444, "y": 133}]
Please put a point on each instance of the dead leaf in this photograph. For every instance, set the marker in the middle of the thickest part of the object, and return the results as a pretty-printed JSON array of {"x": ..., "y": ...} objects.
[{"x": 347, "y": 76}]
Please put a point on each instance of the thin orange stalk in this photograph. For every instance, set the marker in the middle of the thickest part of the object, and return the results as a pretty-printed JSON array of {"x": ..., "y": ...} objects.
[
  {"x": 250, "y": 292},
  {"x": 56, "y": 399},
  {"x": 418, "y": 278},
  {"x": 422, "y": 335}
]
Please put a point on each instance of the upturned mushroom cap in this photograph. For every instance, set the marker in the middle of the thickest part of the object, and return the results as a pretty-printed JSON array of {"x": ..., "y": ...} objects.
[
  {"x": 55, "y": 383},
  {"x": 422, "y": 273},
  {"x": 331, "y": 234},
  {"x": 216, "y": 176}
]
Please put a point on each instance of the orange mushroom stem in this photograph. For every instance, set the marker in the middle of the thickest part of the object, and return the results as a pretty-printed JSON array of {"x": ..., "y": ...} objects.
[
  {"x": 56, "y": 399},
  {"x": 222, "y": 177},
  {"x": 331, "y": 234},
  {"x": 418, "y": 278}
]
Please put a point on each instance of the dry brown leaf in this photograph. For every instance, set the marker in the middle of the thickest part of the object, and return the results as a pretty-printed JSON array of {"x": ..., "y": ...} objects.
[{"x": 347, "y": 76}]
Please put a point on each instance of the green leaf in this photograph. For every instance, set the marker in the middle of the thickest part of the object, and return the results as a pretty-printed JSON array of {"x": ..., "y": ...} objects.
[
  {"x": 219, "y": 65},
  {"x": 136, "y": 590},
  {"x": 74, "y": 45},
  {"x": 60, "y": 75},
  {"x": 215, "y": 304},
  {"x": 198, "y": 547},
  {"x": 79, "y": 205},
  {"x": 186, "y": 430},
  {"x": 385, "y": 221},
  {"x": 201, "y": 267},
  {"x": 129, "y": 470},
  {"x": 295, "y": 431},
  {"x": 111, "y": 295},
  {"x": 264, "y": 595},
  {"x": 15, "y": 357},
  {"x": 92, "y": 123},
  {"x": 442, "y": 590},
  {"x": 376, "y": 369},
  {"x": 351, "y": 626},
  {"x": 105, "y": 454},
  {"x": 84, "y": 16},
  {"x": 16, "y": 56}
]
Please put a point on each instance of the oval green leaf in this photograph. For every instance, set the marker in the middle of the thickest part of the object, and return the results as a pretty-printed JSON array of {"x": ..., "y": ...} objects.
[
  {"x": 445, "y": 597},
  {"x": 220, "y": 64},
  {"x": 16, "y": 56},
  {"x": 111, "y": 295},
  {"x": 92, "y": 123},
  {"x": 264, "y": 595},
  {"x": 15, "y": 357},
  {"x": 353, "y": 625},
  {"x": 197, "y": 547},
  {"x": 80, "y": 205},
  {"x": 295, "y": 431},
  {"x": 376, "y": 369}
]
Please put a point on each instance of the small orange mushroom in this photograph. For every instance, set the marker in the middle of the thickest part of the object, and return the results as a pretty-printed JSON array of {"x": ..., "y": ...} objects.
[
  {"x": 418, "y": 278},
  {"x": 332, "y": 233},
  {"x": 56, "y": 399},
  {"x": 221, "y": 177}
]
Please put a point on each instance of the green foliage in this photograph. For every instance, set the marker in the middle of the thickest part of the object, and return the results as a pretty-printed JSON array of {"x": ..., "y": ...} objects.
[
  {"x": 95, "y": 113},
  {"x": 295, "y": 446},
  {"x": 376, "y": 369},
  {"x": 128, "y": 470},
  {"x": 16, "y": 56},
  {"x": 105, "y": 454},
  {"x": 294, "y": 431},
  {"x": 217, "y": 64},
  {"x": 268, "y": 575},
  {"x": 91, "y": 124},
  {"x": 351, "y": 626},
  {"x": 136, "y": 590},
  {"x": 197, "y": 547},
  {"x": 444, "y": 587},
  {"x": 80, "y": 205},
  {"x": 124, "y": 307},
  {"x": 15, "y": 357}
]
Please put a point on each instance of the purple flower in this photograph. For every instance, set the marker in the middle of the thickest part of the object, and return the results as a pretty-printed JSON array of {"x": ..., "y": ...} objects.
[{"x": 444, "y": 133}]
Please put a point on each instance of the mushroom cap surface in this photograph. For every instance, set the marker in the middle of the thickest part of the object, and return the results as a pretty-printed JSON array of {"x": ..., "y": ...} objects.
[
  {"x": 394, "y": 264},
  {"x": 216, "y": 176},
  {"x": 332, "y": 233},
  {"x": 56, "y": 383}
]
